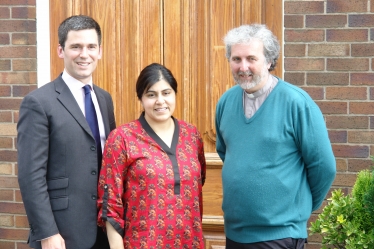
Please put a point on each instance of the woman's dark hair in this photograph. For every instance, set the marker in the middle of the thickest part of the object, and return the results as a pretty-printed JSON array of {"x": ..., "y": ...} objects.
[
  {"x": 152, "y": 74},
  {"x": 76, "y": 23}
]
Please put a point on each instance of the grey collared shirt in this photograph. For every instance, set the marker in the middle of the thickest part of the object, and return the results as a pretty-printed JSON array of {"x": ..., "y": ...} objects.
[{"x": 253, "y": 101}]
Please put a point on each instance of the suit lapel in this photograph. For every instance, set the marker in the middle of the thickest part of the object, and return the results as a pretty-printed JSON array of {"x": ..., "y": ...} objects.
[
  {"x": 67, "y": 99},
  {"x": 103, "y": 109}
]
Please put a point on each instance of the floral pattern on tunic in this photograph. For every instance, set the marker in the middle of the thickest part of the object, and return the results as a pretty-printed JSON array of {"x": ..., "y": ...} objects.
[{"x": 150, "y": 193}]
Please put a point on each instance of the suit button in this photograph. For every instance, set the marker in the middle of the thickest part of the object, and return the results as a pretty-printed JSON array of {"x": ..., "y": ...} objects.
[
  {"x": 93, "y": 172},
  {"x": 93, "y": 147},
  {"x": 93, "y": 197}
]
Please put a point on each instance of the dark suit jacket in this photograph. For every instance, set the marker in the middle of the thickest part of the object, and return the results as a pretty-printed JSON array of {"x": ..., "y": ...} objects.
[{"x": 57, "y": 164}]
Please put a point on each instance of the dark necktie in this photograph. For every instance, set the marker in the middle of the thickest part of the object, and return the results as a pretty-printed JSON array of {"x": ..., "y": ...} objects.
[{"x": 92, "y": 120}]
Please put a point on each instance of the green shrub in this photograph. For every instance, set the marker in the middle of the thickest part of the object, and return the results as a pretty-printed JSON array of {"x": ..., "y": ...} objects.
[{"x": 347, "y": 221}]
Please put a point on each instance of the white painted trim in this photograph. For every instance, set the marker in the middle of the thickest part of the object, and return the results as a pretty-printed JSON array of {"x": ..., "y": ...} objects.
[{"x": 43, "y": 57}]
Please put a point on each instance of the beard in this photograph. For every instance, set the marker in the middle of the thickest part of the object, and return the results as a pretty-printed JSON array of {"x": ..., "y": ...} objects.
[
  {"x": 249, "y": 84},
  {"x": 244, "y": 83}
]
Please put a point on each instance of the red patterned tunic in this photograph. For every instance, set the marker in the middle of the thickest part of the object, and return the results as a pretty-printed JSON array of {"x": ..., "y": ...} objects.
[{"x": 150, "y": 193}]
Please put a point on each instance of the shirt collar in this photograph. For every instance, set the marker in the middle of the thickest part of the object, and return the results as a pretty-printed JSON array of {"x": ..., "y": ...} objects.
[
  {"x": 73, "y": 83},
  {"x": 271, "y": 80}
]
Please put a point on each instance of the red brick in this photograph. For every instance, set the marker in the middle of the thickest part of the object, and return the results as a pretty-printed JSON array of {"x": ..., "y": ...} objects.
[
  {"x": 362, "y": 20},
  {"x": 18, "y": 78},
  {"x": 8, "y": 155},
  {"x": 9, "y": 182},
  {"x": 18, "y": 52},
  {"x": 13, "y": 234},
  {"x": 355, "y": 151},
  {"x": 18, "y": 195},
  {"x": 328, "y": 50},
  {"x": 362, "y": 137},
  {"x": 344, "y": 179},
  {"x": 4, "y": 39},
  {"x": 347, "y": 122},
  {"x": 22, "y": 245},
  {"x": 325, "y": 21},
  {"x": 24, "y": 65},
  {"x": 339, "y": 6},
  {"x": 317, "y": 93},
  {"x": 21, "y": 91},
  {"x": 301, "y": 64},
  {"x": 362, "y": 79},
  {"x": 372, "y": 33},
  {"x": 363, "y": 50},
  {"x": 17, "y": 26},
  {"x": 356, "y": 64},
  {"x": 12, "y": 208},
  {"x": 355, "y": 165},
  {"x": 6, "y": 195},
  {"x": 341, "y": 165},
  {"x": 347, "y": 35},
  {"x": 5, "y": 65},
  {"x": 21, "y": 221},
  {"x": 5, "y": 91},
  {"x": 24, "y": 39},
  {"x": 4, "y": 12},
  {"x": 15, "y": 116},
  {"x": 371, "y": 93},
  {"x": 18, "y": 2},
  {"x": 303, "y": 7},
  {"x": 329, "y": 107},
  {"x": 297, "y": 79},
  {"x": 346, "y": 93},
  {"x": 293, "y": 35},
  {"x": 294, "y": 50},
  {"x": 24, "y": 12},
  {"x": 5, "y": 116},
  {"x": 6, "y": 142},
  {"x": 338, "y": 136},
  {"x": 10, "y": 104},
  {"x": 293, "y": 21},
  {"x": 361, "y": 108},
  {"x": 327, "y": 79},
  {"x": 7, "y": 245}
]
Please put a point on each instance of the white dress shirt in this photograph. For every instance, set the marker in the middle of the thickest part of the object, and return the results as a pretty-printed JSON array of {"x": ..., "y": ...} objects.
[{"x": 76, "y": 88}]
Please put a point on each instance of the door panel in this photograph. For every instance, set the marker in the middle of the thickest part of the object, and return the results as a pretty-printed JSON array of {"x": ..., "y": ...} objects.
[{"x": 184, "y": 35}]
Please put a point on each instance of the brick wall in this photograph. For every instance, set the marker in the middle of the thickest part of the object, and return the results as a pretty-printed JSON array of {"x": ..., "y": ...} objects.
[
  {"x": 17, "y": 78},
  {"x": 328, "y": 52}
]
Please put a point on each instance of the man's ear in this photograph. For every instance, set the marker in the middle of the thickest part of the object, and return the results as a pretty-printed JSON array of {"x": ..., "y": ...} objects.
[{"x": 60, "y": 51}]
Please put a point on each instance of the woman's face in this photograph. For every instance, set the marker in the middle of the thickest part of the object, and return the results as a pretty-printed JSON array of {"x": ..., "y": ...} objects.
[{"x": 159, "y": 102}]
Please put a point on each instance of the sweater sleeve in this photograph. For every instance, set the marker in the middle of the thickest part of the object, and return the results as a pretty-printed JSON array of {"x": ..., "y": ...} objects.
[
  {"x": 220, "y": 144},
  {"x": 314, "y": 144}
]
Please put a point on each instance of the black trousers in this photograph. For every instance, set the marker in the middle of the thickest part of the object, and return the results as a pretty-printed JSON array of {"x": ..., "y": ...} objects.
[{"x": 287, "y": 243}]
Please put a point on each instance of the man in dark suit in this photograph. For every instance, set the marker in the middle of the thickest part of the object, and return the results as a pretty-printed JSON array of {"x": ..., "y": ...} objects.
[{"x": 58, "y": 157}]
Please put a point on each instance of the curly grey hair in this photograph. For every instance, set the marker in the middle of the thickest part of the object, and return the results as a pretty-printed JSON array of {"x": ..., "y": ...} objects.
[{"x": 245, "y": 33}]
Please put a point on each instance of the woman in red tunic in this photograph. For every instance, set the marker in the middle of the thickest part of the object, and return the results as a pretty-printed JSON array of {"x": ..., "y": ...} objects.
[{"x": 150, "y": 184}]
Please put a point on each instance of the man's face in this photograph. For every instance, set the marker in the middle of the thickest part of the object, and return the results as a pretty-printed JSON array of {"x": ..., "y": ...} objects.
[
  {"x": 248, "y": 65},
  {"x": 81, "y": 53}
]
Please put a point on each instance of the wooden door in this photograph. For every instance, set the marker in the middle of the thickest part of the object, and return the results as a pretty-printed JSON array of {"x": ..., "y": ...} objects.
[{"x": 184, "y": 35}]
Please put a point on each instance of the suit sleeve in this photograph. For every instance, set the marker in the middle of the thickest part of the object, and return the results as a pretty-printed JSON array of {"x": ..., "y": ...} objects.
[
  {"x": 112, "y": 120},
  {"x": 33, "y": 148}
]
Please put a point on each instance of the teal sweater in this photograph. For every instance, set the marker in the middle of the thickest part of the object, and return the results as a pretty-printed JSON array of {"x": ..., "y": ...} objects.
[{"x": 278, "y": 165}]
